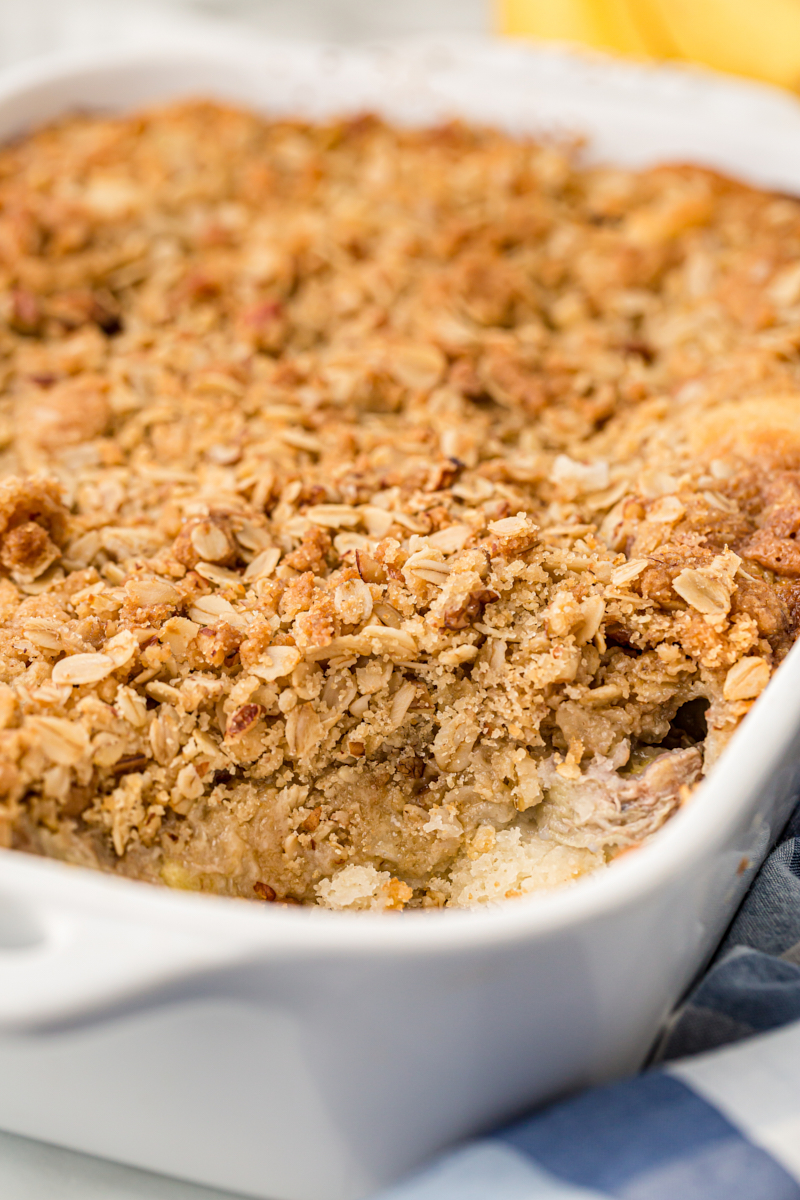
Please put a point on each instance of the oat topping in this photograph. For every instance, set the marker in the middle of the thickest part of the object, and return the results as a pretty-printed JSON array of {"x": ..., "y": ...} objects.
[{"x": 388, "y": 518}]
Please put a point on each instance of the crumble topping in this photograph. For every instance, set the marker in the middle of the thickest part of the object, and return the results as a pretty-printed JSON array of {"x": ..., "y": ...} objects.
[{"x": 388, "y": 518}]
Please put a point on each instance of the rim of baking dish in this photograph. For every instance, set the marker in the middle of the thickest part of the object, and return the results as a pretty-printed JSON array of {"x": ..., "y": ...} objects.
[{"x": 717, "y": 807}]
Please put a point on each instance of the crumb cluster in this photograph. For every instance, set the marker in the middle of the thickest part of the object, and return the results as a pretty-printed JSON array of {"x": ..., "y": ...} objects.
[{"x": 388, "y": 518}]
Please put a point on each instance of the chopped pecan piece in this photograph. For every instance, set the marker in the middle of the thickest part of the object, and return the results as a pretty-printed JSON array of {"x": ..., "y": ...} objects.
[{"x": 471, "y": 609}]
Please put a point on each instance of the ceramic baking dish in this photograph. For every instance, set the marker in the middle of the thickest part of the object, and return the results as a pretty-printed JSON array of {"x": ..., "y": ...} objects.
[{"x": 308, "y": 1055}]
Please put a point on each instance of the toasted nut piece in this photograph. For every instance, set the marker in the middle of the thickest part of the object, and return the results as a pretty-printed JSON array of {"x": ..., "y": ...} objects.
[
  {"x": 470, "y": 609},
  {"x": 242, "y": 721},
  {"x": 218, "y": 643},
  {"x": 388, "y": 615}
]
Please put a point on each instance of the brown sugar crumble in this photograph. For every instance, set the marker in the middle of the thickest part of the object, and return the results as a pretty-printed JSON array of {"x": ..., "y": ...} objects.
[{"x": 388, "y": 518}]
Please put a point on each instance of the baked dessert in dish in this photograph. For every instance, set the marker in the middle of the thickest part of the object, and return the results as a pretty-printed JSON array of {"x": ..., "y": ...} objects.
[{"x": 388, "y": 518}]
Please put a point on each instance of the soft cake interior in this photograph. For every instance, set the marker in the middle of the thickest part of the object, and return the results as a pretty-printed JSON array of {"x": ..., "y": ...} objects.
[{"x": 388, "y": 518}]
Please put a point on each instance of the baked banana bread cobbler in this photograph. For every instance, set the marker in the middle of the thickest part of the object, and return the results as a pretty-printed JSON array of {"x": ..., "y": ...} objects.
[{"x": 388, "y": 518}]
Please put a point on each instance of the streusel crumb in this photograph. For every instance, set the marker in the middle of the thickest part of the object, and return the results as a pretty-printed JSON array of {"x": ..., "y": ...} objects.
[{"x": 388, "y": 518}]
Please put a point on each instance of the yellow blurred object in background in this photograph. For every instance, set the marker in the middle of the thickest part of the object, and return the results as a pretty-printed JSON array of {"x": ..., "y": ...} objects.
[{"x": 760, "y": 38}]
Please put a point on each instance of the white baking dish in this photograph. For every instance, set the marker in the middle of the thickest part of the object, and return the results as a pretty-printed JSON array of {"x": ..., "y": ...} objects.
[{"x": 305, "y": 1055}]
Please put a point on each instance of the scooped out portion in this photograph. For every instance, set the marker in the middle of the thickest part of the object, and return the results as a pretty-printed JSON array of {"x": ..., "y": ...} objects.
[{"x": 388, "y": 518}]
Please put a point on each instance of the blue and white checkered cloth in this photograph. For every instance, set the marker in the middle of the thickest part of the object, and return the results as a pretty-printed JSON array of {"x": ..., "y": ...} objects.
[{"x": 706, "y": 1123}]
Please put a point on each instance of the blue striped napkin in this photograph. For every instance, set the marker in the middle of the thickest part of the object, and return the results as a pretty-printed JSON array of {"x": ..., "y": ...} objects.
[{"x": 706, "y": 1123}]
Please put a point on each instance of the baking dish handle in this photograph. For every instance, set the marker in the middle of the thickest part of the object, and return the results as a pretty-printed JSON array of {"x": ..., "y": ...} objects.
[{"x": 62, "y": 970}]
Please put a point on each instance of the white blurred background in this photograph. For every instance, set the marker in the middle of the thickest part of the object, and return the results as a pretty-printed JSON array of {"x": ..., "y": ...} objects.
[{"x": 30, "y": 27}]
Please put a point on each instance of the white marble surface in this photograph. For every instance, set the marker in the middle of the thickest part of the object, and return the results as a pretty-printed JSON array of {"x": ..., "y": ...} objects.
[
  {"x": 29, "y": 1170},
  {"x": 38, "y": 26}
]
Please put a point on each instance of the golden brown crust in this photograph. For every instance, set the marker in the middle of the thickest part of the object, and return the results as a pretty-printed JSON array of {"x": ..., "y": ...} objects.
[{"x": 373, "y": 535}]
